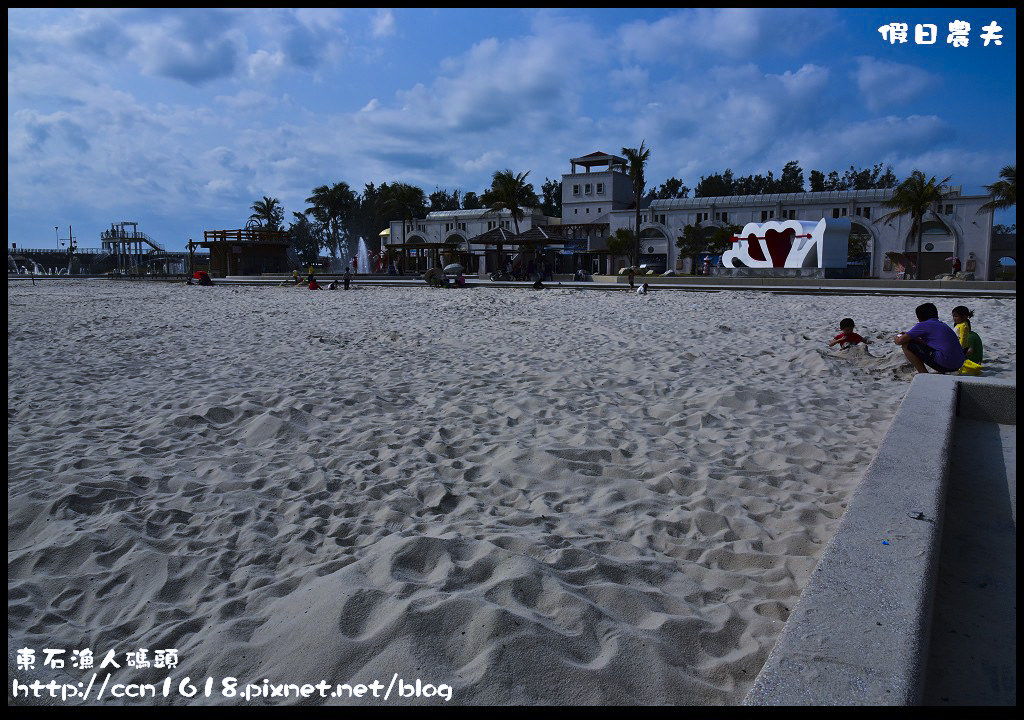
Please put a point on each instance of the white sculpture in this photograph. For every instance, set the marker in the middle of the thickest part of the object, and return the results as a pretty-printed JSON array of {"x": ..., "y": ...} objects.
[{"x": 791, "y": 244}]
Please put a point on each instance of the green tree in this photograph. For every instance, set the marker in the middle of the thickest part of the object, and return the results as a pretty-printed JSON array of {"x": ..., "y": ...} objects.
[
  {"x": 672, "y": 188},
  {"x": 915, "y": 196},
  {"x": 637, "y": 159},
  {"x": 551, "y": 191},
  {"x": 369, "y": 215},
  {"x": 331, "y": 207},
  {"x": 621, "y": 243},
  {"x": 471, "y": 201},
  {"x": 792, "y": 180},
  {"x": 695, "y": 240},
  {"x": 717, "y": 185},
  {"x": 305, "y": 240},
  {"x": 510, "y": 191},
  {"x": 755, "y": 185},
  {"x": 443, "y": 200},
  {"x": 268, "y": 213},
  {"x": 406, "y": 201},
  {"x": 1004, "y": 192},
  {"x": 817, "y": 180}
]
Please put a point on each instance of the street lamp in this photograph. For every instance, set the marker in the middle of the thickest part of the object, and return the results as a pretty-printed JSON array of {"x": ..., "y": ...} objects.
[{"x": 56, "y": 235}]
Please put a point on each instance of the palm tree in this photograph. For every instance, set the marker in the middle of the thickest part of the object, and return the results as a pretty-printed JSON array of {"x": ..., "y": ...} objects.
[
  {"x": 1004, "y": 191},
  {"x": 509, "y": 191},
  {"x": 620, "y": 243},
  {"x": 331, "y": 206},
  {"x": 406, "y": 201},
  {"x": 915, "y": 196},
  {"x": 637, "y": 158},
  {"x": 268, "y": 213}
]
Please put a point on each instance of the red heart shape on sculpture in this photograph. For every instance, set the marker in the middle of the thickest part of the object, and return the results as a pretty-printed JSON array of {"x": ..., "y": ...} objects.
[{"x": 779, "y": 244}]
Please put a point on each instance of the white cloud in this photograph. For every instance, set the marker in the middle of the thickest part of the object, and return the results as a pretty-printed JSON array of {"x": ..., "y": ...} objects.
[
  {"x": 264, "y": 65},
  {"x": 729, "y": 33},
  {"x": 886, "y": 84},
  {"x": 383, "y": 24}
]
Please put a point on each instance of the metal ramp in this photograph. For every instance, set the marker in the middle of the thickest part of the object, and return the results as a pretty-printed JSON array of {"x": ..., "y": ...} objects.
[{"x": 129, "y": 246}]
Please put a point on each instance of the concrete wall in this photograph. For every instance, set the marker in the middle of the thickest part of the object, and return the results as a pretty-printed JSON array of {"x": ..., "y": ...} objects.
[{"x": 859, "y": 633}]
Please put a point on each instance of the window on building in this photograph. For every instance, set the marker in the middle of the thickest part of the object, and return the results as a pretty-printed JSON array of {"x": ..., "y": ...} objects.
[
  {"x": 575, "y": 189},
  {"x": 857, "y": 212},
  {"x": 771, "y": 213},
  {"x": 599, "y": 211},
  {"x": 600, "y": 188},
  {"x": 949, "y": 209},
  {"x": 725, "y": 217},
  {"x": 835, "y": 212},
  {"x": 575, "y": 211},
  {"x": 844, "y": 212},
  {"x": 764, "y": 216},
  {"x": 586, "y": 188},
  {"x": 867, "y": 212}
]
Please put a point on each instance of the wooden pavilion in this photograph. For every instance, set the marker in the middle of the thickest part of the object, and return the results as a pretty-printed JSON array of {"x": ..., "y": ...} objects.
[{"x": 251, "y": 251}]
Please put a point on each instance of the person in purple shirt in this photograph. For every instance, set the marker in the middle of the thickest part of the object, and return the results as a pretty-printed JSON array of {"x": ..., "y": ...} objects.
[{"x": 931, "y": 342}]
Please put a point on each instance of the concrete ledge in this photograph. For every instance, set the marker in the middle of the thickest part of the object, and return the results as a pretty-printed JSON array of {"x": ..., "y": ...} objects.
[
  {"x": 859, "y": 633},
  {"x": 988, "y": 400}
]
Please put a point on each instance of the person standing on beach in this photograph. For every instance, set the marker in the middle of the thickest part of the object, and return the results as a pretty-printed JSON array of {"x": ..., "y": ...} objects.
[
  {"x": 931, "y": 343},
  {"x": 631, "y": 277},
  {"x": 348, "y": 277}
]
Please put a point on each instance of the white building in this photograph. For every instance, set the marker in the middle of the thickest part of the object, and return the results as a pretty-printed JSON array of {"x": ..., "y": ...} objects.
[
  {"x": 970, "y": 232},
  {"x": 444, "y": 231},
  {"x": 597, "y": 198}
]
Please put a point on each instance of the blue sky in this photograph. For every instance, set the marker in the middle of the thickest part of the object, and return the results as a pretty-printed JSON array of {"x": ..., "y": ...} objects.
[{"x": 179, "y": 119}]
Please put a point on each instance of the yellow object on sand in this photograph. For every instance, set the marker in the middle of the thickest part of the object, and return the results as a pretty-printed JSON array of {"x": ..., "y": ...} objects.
[{"x": 970, "y": 368}]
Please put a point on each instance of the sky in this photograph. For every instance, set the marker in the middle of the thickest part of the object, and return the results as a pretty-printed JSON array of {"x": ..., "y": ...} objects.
[{"x": 180, "y": 119}]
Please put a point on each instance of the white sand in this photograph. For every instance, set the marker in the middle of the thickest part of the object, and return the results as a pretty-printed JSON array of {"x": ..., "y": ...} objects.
[{"x": 559, "y": 496}]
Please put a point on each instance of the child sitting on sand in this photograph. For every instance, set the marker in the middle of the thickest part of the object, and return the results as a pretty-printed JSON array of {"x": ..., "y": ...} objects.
[
  {"x": 969, "y": 341},
  {"x": 931, "y": 343},
  {"x": 642, "y": 290},
  {"x": 847, "y": 336}
]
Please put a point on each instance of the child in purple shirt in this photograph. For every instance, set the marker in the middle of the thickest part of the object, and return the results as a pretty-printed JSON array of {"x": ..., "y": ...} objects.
[{"x": 931, "y": 342}]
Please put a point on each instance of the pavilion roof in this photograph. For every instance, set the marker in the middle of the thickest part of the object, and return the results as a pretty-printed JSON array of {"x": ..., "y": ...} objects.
[
  {"x": 540, "y": 235},
  {"x": 495, "y": 236}
]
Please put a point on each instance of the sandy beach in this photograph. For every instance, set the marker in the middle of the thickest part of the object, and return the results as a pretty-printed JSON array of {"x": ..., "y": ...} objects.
[{"x": 564, "y": 496}]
